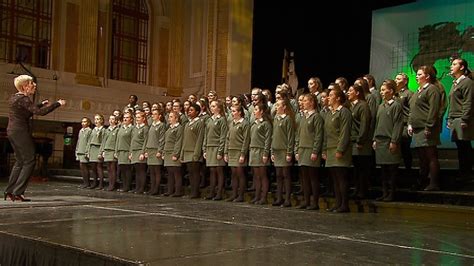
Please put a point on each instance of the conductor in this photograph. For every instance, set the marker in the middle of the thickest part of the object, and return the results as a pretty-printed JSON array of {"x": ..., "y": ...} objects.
[{"x": 21, "y": 109}]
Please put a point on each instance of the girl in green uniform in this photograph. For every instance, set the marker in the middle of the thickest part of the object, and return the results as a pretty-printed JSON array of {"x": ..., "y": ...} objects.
[
  {"x": 93, "y": 152},
  {"x": 461, "y": 114},
  {"x": 283, "y": 144},
  {"x": 236, "y": 151},
  {"x": 387, "y": 137},
  {"x": 81, "y": 148},
  {"x": 424, "y": 124},
  {"x": 191, "y": 152},
  {"x": 154, "y": 150},
  {"x": 107, "y": 151},
  {"x": 137, "y": 151},
  {"x": 204, "y": 115},
  {"x": 122, "y": 150},
  {"x": 171, "y": 153},
  {"x": 260, "y": 140},
  {"x": 360, "y": 139},
  {"x": 213, "y": 149},
  {"x": 337, "y": 147},
  {"x": 308, "y": 146}
]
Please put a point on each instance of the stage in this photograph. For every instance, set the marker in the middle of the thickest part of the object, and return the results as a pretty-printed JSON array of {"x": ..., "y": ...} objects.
[{"x": 65, "y": 225}]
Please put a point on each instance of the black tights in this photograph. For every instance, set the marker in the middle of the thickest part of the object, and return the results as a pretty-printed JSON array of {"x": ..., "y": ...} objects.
[
  {"x": 126, "y": 174},
  {"x": 261, "y": 183},
  {"x": 238, "y": 182},
  {"x": 464, "y": 157},
  {"x": 175, "y": 181},
  {"x": 217, "y": 182},
  {"x": 362, "y": 165},
  {"x": 341, "y": 187},
  {"x": 112, "y": 171},
  {"x": 85, "y": 174},
  {"x": 194, "y": 170},
  {"x": 283, "y": 181},
  {"x": 155, "y": 178},
  {"x": 429, "y": 164},
  {"x": 140, "y": 177},
  {"x": 310, "y": 184},
  {"x": 97, "y": 173}
]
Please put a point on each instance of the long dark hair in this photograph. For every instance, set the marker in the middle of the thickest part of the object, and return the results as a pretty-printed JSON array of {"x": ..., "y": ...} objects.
[
  {"x": 466, "y": 72},
  {"x": 265, "y": 112},
  {"x": 289, "y": 111}
]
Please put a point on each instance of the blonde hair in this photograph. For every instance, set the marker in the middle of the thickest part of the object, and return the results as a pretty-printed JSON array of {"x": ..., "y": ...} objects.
[
  {"x": 100, "y": 116},
  {"x": 20, "y": 81}
]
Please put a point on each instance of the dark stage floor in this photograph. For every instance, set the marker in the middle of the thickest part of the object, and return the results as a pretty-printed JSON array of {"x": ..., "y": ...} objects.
[{"x": 106, "y": 228}]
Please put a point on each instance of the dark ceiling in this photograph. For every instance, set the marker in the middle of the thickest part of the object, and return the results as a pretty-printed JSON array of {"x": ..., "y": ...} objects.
[{"x": 329, "y": 39}]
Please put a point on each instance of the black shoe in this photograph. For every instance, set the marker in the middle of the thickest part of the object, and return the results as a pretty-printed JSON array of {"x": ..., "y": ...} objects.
[
  {"x": 261, "y": 202},
  {"x": 342, "y": 210},
  {"x": 8, "y": 195},
  {"x": 432, "y": 188},
  {"x": 277, "y": 203},
  {"x": 21, "y": 198},
  {"x": 313, "y": 207},
  {"x": 302, "y": 206},
  {"x": 286, "y": 204},
  {"x": 238, "y": 200}
]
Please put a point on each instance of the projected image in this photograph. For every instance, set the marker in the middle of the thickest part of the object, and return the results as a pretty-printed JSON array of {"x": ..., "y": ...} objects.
[{"x": 422, "y": 33}]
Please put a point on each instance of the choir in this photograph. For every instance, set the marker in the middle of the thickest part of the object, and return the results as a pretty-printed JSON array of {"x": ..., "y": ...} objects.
[{"x": 340, "y": 132}]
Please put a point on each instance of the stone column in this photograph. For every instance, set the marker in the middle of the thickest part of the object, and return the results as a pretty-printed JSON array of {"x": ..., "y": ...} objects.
[
  {"x": 177, "y": 21},
  {"x": 87, "y": 44}
]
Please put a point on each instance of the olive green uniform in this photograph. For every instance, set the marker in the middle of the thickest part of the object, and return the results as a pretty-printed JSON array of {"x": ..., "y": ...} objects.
[
  {"x": 404, "y": 98},
  {"x": 425, "y": 108},
  {"x": 95, "y": 141},
  {"x": 155, "y": 143},
  {"x": 214, "y": 140},
  {"x": 193, "y": 138},
  {"x": 108, "y": 144},
  {"x": 137, "y": 143},
  {"x": 237, "y": 142},
  {"x": 122, "y": 147},
  {"x": 461, "y": 111},
  {"x": 360, "y": 129},
  {"x": 260, "y": 141},
  {"x": 309, "y": 139},
  {"x": 81, "y": 146},
  {"x": 388, "y": 129},
  {"x": 173, "y": 144},
  {"x": 337, "y": 129}
]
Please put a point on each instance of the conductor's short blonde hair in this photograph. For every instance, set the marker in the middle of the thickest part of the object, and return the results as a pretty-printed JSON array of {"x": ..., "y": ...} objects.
[{"x": 20, "y": 81}]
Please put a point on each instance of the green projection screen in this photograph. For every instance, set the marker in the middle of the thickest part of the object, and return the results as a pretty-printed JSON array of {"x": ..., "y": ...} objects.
[{"x": 427, "y": 32}]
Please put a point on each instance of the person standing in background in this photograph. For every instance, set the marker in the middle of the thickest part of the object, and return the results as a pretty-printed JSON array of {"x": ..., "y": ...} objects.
[
  {"x": 107, "y": 150},
  {"x": 386, "y": 141},
  {"x": 213, "y": 149},
  {"x": 337, "y": 148},
  {"x": 81, "y": 150},
  {"x": 308, "y": 147},
  {"x": 424, "y": 125},
  {"x": 460, "y": 116},
  {"x": 93, "y": 152},
  {"x": 404, "y": 96},
  {"x": 259, "y": 155},
  {"x": 191, "y": 152}
]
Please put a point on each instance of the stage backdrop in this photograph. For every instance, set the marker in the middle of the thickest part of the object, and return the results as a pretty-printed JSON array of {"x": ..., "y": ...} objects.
[{"x": 427, "y": 32}]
